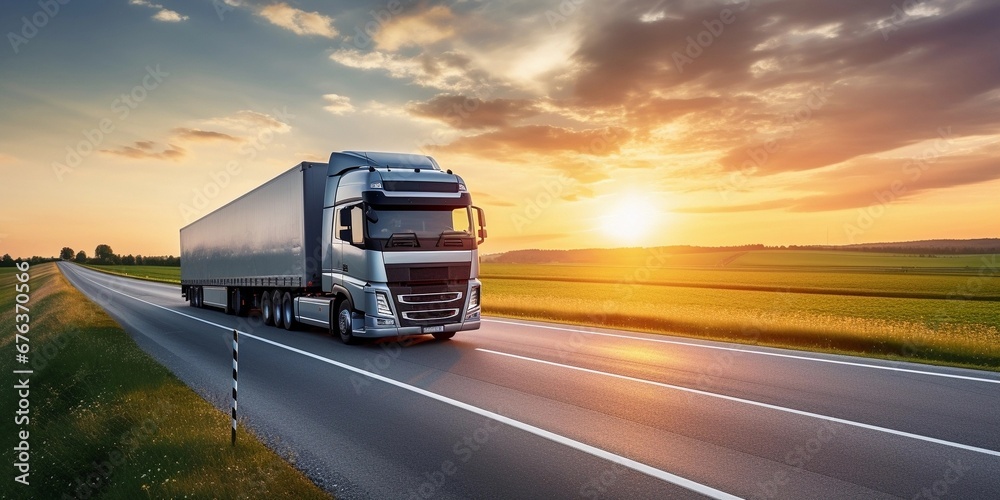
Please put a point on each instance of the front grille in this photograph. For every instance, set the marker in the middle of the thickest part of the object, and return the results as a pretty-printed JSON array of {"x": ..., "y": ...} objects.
[
  {"x": 429, "y": 304},
  {"x": 429, "y": 298},
  {"x": 435, "y": 314}
]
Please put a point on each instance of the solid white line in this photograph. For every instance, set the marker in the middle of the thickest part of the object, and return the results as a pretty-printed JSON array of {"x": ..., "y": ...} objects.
[
  {"x": 755, "y": 403},
  {"x": 551, "y": 436},
  {"x": 749, "y": 351}
]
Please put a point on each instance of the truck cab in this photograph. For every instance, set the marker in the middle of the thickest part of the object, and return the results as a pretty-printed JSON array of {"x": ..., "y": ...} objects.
[{"x": 401, "y": 241}]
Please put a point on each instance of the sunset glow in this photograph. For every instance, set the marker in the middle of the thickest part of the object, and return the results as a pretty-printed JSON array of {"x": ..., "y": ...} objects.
[{"x": 718, "y": 123}]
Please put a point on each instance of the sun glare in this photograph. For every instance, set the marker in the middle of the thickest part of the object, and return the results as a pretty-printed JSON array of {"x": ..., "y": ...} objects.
[{"x": 631, "y": 221}]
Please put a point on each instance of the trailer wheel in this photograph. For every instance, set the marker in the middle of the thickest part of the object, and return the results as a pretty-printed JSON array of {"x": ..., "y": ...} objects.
[
  {"x": 238, "y": 308},
  {"x": 287, "y": 312},
  {"x": 198, "y": 298},
  {"x": 230, "y": 308},
  {"x": 344, "y": 328},
  {"x": 265, "y": 308},
  {"x": 190, "y": 296},
  {"x": 276, "y": 308}
]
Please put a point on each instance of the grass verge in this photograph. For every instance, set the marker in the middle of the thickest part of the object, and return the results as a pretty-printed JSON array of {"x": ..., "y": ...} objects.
[
  {"x": 107, "y": 421},
  {"x": 162, "y": 274}
]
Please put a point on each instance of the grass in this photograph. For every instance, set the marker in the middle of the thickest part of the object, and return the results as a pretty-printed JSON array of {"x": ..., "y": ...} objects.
[
  {"x": 952, "y": 332},
  {"x": 107, "y": 421},
  {"x": 162, "y": 274}
]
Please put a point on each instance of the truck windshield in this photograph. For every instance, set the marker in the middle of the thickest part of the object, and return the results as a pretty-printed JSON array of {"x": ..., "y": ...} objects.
[{"x": 423, "y": 223}]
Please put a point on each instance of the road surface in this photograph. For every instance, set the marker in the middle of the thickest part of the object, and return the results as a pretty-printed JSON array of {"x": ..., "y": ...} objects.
[{"x": 524, "y": 409}]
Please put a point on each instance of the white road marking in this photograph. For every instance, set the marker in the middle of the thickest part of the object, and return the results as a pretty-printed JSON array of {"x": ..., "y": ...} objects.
[
  {"x": 749, "y": 351},
  {"x": 551, "y": 436},
  {"x": 755, "y": 403}
]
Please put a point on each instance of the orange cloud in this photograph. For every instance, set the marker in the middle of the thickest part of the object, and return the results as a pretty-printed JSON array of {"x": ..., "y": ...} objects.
[{"x": 144, "y": 150}]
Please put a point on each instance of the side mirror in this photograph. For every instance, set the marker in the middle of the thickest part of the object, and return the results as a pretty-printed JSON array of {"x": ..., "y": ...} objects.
[{"x": 481, "y": 216}]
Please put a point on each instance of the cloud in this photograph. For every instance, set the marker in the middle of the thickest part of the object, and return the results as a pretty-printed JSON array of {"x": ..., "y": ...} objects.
[
  {"x": 299, "y": 21},
  {"x": 162, "y": 14},
  {"x": 539, "y": 139},
  {"x": 203, "y": 135},
  {"x": 449, "y": 70},
  {"x": 421, "y": 29},
  {"x": 464, "y": 112},
  {"x": 338, "y": 104},
  {"x": 146, "y": 150},
  {"x": 248, "y": 121}
]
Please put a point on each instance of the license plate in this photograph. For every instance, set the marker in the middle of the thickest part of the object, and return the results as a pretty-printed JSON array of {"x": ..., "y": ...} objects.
[{"x": 433, "y": 329}]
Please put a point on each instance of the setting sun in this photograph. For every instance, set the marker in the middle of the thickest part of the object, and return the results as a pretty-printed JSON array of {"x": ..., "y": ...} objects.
[{"x": 631, "y": 220}]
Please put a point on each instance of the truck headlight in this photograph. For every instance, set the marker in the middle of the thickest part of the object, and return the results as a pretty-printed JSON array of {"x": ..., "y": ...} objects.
[
  {"x": 474, "y": 298},
  {"x": 382, "y": 304}
]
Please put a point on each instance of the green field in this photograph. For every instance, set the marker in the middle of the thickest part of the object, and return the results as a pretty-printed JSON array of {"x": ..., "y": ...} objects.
[
  {"x": 108, "y": 421},
  {"x": 929, "y": 309},
  {"x": 164, "y": 274}
]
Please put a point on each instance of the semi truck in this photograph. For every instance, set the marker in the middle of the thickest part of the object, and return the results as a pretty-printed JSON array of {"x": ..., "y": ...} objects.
[{"x": 368, "y": 245}]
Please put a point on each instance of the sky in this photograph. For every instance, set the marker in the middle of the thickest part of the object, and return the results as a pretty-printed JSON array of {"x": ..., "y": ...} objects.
[{"x": 575, "y": 123}]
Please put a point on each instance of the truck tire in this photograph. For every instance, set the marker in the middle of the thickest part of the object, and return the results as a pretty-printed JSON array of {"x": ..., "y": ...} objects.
[
  {"x": 276, "y": 308},
  {"x": 190, "y": 295},
  {"x": 287, "y": 312},
  {"x": 443, "y": 335},
  {"x": 265, "y": 308},
  {"x": 343, "y": 319},
  {"x": 238, "y": 308},
  {"x": 198, "y": 299},
  {"x": 230, "y": 308}
]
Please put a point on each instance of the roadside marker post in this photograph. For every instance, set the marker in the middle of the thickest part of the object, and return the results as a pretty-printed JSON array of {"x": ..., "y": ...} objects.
[{"x": 236, "y": 357}]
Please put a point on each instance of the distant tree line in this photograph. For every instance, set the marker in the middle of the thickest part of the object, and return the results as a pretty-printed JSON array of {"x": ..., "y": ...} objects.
[
  {"x": 8, "y": 261},
  {"x": 103, "y": 255}
]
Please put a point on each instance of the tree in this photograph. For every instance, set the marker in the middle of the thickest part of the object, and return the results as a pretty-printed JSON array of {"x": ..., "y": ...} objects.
[
  {"x": 104, "y": 254},
  {"x": 128, "y": 260},
  {"x": 8, "y": 261},
  {"x": 66, "y": 253},
  {"x": 81, "y": 257}
]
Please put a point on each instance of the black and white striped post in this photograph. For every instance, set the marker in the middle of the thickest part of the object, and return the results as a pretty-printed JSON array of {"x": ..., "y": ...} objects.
[{"x": 236, "y": 357}]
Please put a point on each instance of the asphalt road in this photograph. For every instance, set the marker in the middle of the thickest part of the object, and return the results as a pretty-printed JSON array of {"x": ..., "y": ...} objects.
[{"x": 521, "y": 409}]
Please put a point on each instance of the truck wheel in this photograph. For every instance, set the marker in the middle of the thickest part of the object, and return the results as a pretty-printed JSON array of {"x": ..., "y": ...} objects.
[
  {"x": 443, "y": 335},
  {"x": 265, "y": 308},
  {"x": 238, "y": 308},
  {"x": 190, "y": 293},
  {"x": 276, "y": 308},
  {"x": 287, "y": 312},
  {"x": 198, "y": 299},
  {"x": 230, "y": 308},
  {"x": 344, "y": 328}
]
